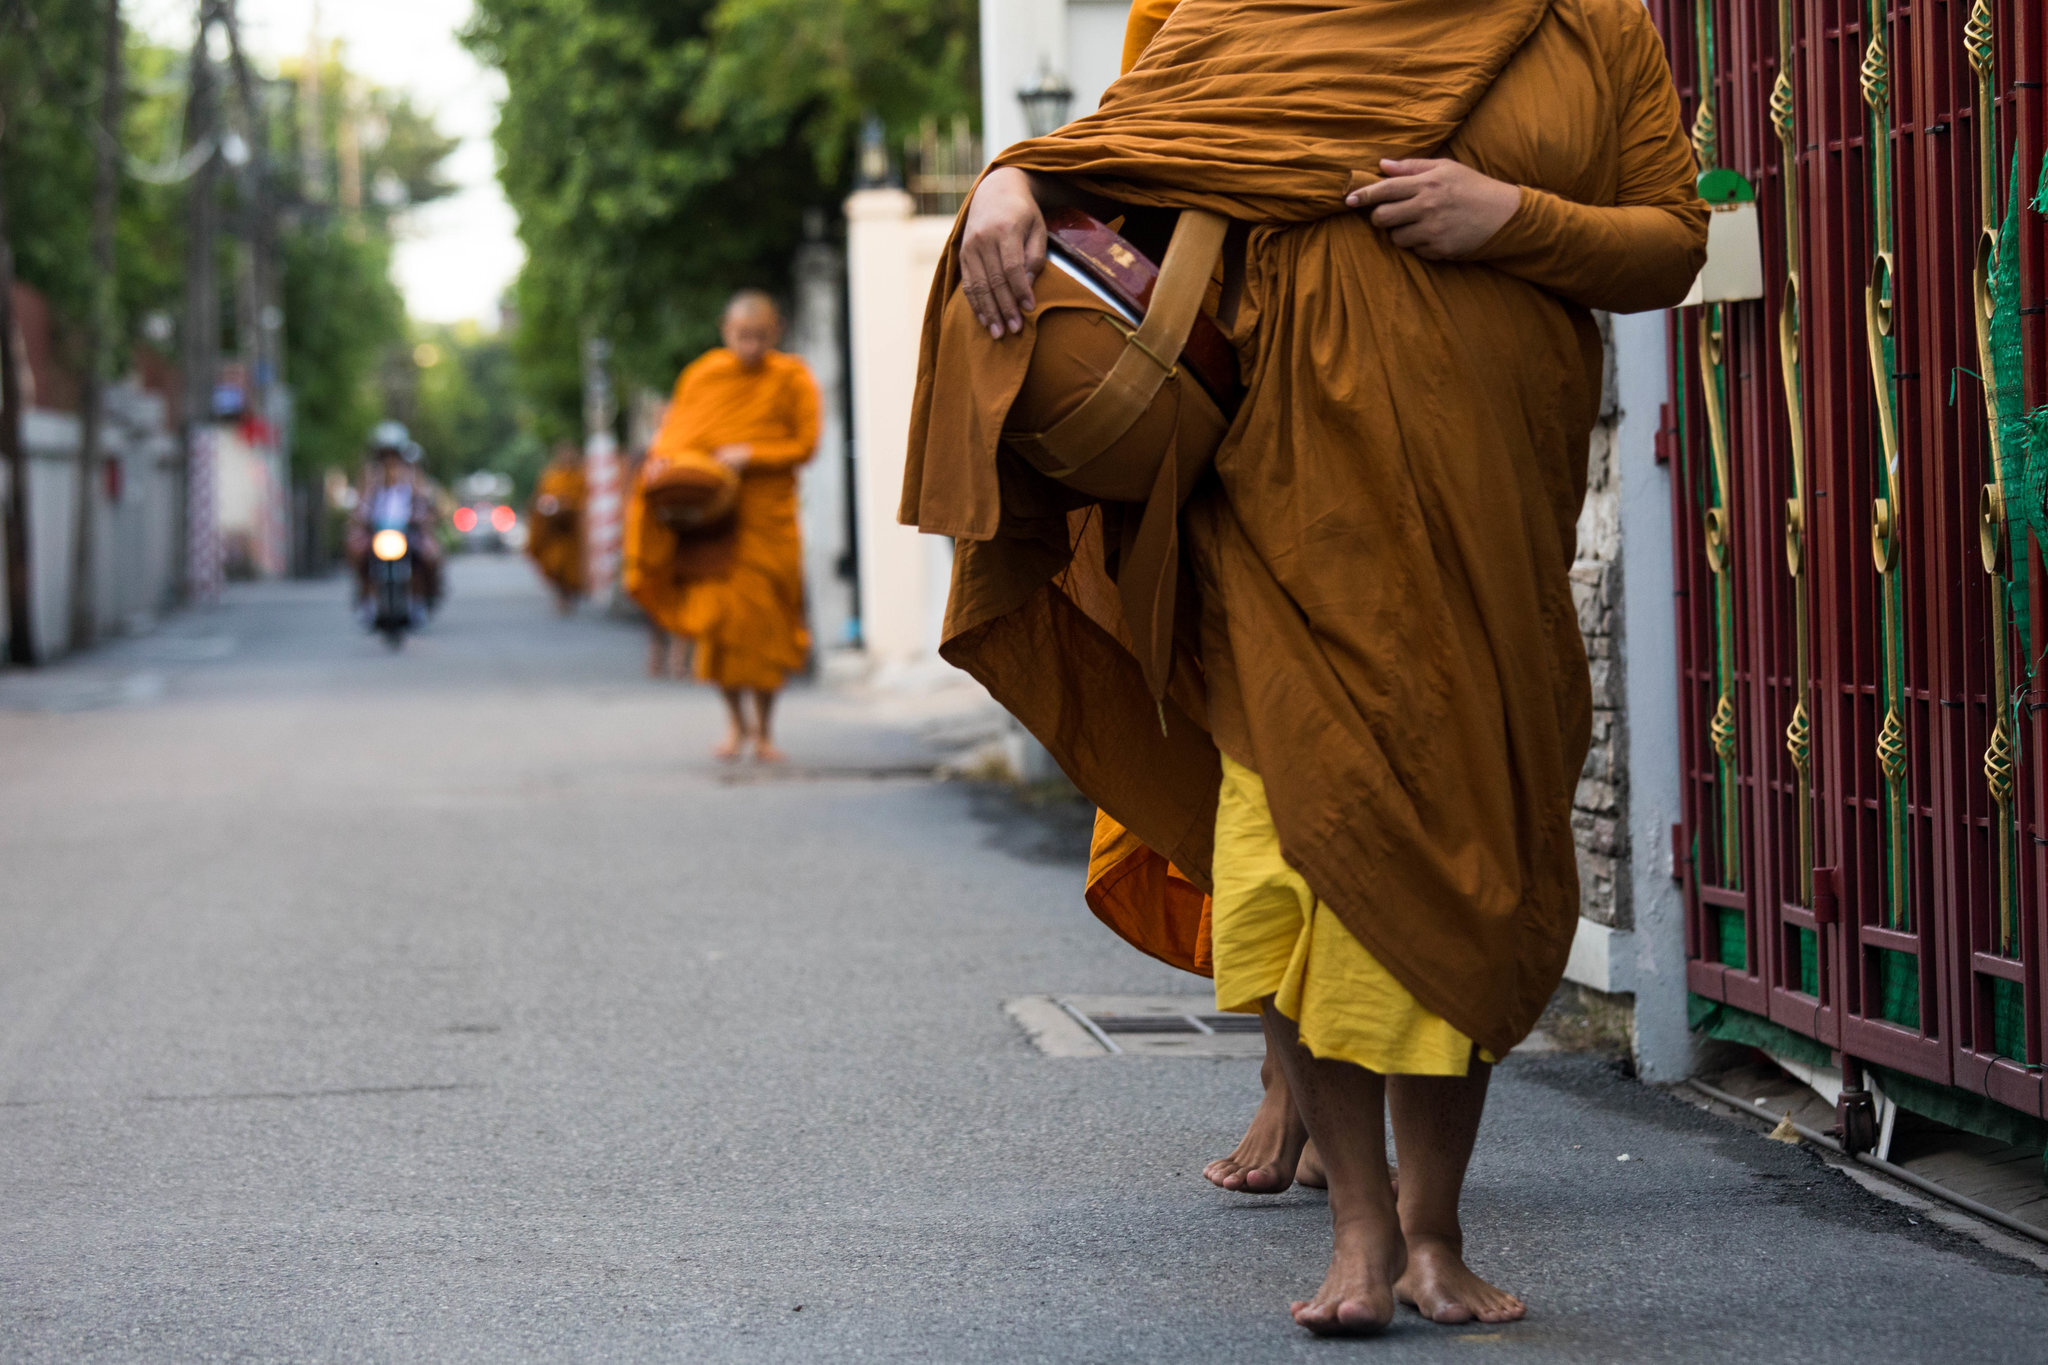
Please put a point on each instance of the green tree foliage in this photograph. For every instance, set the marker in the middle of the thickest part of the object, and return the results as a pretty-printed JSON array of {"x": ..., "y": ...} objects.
[
  {"x": 661, "y": 153},
  {"x": 547, "y": 351},
  {"x": 149, "y": 250},
  {"x": 49, "y": 92},
  {"x": 342, "y": 318},
  {"x": 401, "y": 150},
  {"x": 463, "y": 410},
  {"x": 345, "y": 325},
  {"x": 820, "y": 67}
]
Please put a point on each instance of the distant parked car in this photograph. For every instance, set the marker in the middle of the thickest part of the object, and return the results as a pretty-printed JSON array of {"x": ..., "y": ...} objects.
[{"x": 484, "y": 516}]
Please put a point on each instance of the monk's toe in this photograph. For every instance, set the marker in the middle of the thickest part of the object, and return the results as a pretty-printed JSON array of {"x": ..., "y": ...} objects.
[
  {"x": 1344, "y": 1318},
  {"x": 1513, "y": 1310}
]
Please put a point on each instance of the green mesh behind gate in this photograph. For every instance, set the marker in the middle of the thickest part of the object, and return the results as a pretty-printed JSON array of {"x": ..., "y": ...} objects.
[
  {"x": 1898, "y": 984},
  {"x": 2009, "y": 1019},
  {"x": 1734, "y": 940},
  {"x": 1807, "y": 944},
  {"x": 2023, "y": 467}
]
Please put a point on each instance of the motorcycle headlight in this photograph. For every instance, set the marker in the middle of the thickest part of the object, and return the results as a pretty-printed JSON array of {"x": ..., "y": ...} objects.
[{"x": 388, "y": 545}]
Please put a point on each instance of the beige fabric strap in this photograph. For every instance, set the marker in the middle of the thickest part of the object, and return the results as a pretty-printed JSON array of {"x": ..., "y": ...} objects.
[{"x": 1151, "y": 354}]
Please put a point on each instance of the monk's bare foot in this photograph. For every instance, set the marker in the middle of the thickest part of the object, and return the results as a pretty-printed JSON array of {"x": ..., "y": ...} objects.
[
  {"x": 1443, "y": 1288},
  {"x": 1357, "y": 1297},
  {"x": 766, "y": 752},
  {"x": 1309, "y": 1170},
  {"x": 1268, "y": 1156},
  {"x": 734, "y": 744}
]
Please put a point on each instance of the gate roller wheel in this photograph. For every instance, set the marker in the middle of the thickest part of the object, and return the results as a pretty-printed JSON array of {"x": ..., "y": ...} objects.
[{"x": 1856, "y": 1119}]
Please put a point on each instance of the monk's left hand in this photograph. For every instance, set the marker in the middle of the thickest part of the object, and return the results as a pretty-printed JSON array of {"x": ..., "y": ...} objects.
[
  {"x": 1440, "y": 210},
  {"x": 734, "y": 457}
]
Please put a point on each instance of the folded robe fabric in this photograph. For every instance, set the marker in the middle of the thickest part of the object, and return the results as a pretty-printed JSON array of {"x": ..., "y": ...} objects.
[
  {"x": 748, "y": 619},
  {"x": 1379, "y": 618}
]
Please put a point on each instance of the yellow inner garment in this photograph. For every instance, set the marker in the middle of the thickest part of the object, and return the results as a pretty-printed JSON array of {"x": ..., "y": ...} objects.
[{"x": 1273, "y": 936}]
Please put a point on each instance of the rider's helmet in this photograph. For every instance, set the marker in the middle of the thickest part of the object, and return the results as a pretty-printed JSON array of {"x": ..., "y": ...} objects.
[{"x": 391, "y": 437}]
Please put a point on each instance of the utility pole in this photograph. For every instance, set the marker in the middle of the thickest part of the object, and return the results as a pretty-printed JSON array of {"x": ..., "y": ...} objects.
[
  {"x": 348, "y": 151},
  {"x": 21, "y": 640},
  {"x": 101, "y": 357},
  {"x": 601, "y": 471},
  {"x": 263, "y": 309},
  {"x": 201, "y": 360},
  {"x": 312, "y": 134}
]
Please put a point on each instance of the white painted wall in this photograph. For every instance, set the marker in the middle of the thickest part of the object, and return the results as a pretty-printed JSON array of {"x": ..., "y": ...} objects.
[
  {"x": 1648, "y": 960},
  {"x": 891, "y": 256},
  {"x": 1095, "y": 48},
  {"x": 133, "y": 539},
  {"x": 1656, "y": 958},
  {"x": 822, "y": 492},
  {"x": 52, "y": 444},
  {"x": 1081, "y": 40}
]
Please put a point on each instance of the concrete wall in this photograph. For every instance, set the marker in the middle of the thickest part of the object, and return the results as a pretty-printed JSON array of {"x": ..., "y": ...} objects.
[
  {"x": 1631, "y": 939},
  {"x": 1080, "y": 40},
  {"x": 1599, "y": 809},
  {"x": 52, "y": 440},
  {"x": 816, "y": 334},
  {"x": 249, "y": 505},
  {"x": 133, "y": 540},
  {"x": 891, "y": 256}
]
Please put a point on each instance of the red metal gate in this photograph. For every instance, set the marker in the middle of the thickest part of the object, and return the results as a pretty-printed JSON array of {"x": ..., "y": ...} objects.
[{"x": 1865, "y": 846}]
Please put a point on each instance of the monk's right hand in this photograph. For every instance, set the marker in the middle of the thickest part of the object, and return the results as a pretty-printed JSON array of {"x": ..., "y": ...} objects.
[{"x": 1002, "y": 249}]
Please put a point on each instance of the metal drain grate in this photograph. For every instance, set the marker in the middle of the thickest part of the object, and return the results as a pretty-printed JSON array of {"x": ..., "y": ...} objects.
[{"x": 1155, "y": 1025}]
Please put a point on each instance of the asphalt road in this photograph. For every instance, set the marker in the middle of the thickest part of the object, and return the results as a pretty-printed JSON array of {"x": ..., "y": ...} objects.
[{"x": 451, "y": 1006}]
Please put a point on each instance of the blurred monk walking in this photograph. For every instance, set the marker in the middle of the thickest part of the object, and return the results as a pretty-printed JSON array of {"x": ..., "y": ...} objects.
[
  {"x": 712, "y": 548},
  {"x": 555, "y": 525}
]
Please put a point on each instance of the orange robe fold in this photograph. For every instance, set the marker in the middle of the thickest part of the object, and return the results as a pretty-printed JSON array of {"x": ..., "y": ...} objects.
[
  {"x": 1379, "y": 617},
  {"x": 1146, "y": 19},
  {"x": 555, "y": 540},
  {"x": 748, "y": 621},
  {"x": 1145, "y": 899}
]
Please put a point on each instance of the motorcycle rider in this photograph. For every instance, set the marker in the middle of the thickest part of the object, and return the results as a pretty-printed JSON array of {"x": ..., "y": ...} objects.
[{"x": 394, "y": 491}]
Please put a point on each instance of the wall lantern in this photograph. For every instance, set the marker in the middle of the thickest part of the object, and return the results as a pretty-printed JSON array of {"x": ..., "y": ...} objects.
[
  {"x": 1046, "y": 102},
  {"x": 873, "y": 170}
]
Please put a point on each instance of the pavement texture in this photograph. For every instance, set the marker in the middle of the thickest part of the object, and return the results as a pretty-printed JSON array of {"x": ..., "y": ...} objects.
[{"x": 452, "y": 1006}]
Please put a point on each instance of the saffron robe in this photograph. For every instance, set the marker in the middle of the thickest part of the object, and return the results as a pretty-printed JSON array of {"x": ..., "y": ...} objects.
[
  {"x": 1146, "y": 18},
  {"x": 1380, "y": 622},
  {"x": 556, "y": 547},
  {"x": 748, "y": 620},
  {"x": 1147, "y": 900}
]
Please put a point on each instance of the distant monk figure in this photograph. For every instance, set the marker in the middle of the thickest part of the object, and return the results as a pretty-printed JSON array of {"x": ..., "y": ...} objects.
[
  {"x": 555, "y": 525},
  {"x": 726, "y": 572}
]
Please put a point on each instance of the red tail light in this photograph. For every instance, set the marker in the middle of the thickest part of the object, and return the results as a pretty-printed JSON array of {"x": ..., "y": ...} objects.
[
  {"x": 465, "y": 519},
  {"x": 503, "y": 519}
]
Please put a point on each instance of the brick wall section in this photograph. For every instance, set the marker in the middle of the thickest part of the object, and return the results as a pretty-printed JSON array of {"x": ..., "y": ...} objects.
[{"x": 1600, "y": 809}]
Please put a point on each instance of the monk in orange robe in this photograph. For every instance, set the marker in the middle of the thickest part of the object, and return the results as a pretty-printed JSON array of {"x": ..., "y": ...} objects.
[
  {"x": 1380, "y": 701},
  {"x": 554, "y": 524},
  {"x": 754, "y": 410}
]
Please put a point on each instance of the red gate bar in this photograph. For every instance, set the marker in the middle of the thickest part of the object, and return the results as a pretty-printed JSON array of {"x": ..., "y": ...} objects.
[{"x": 1938, "y": 996}]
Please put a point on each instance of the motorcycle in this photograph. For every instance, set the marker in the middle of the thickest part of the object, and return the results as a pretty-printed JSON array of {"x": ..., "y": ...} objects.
[{"x": 394, "y": 608}]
